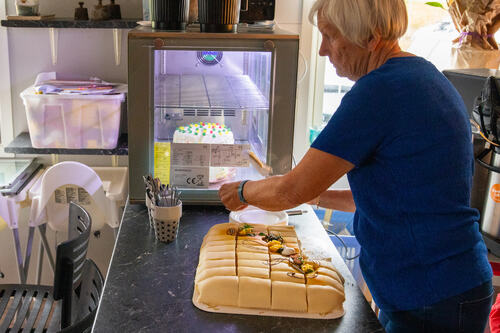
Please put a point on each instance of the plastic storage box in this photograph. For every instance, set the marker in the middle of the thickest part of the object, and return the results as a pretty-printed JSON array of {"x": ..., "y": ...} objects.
[{"x": 74, "y": 121}]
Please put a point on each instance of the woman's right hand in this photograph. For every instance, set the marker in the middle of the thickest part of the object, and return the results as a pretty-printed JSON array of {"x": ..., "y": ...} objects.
[{"x": 228, "y": 194}]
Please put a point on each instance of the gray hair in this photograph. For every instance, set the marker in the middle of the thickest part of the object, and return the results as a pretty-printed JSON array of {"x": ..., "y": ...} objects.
[{"x": 359, "y": 20}]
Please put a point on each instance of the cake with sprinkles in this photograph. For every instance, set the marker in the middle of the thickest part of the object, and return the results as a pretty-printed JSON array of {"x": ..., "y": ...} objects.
[
  {"x": 204, "y": 133},
  {"x": 209, "y": 133}
]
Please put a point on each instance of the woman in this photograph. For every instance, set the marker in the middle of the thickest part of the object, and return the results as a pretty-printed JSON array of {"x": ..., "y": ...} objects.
[{"x": 402, "y": 135}]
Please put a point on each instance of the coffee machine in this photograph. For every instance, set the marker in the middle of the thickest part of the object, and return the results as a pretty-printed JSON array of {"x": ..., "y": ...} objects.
[{"x": 480, "y": 89}]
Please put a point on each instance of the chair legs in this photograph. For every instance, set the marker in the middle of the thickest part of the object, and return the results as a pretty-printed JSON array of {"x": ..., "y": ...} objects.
[
  {"x": 39, "y": 265},
  {"x": 42, "y": 229},
  {"x": 27, "y": 255},
  {"x": 43, "y": 246},
  {"x": 19, "y": 256}
]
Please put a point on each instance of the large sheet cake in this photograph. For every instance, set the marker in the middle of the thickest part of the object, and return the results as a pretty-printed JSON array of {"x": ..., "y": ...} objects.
[{"x": 260, "y": 269}]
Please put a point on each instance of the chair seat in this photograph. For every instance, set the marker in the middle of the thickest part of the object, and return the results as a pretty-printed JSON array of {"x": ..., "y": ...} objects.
[{"x": 22, "y": 305}]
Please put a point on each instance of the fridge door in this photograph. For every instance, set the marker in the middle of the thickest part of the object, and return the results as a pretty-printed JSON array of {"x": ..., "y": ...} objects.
[{"x": 202, "y": 105}]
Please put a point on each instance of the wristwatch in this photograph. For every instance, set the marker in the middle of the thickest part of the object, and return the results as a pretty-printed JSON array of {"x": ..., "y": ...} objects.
[{"x": 240, "y": 192}]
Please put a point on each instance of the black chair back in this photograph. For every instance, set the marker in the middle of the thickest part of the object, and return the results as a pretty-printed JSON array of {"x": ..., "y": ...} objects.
[
  {"x": 87, "y": 303},
  {"x": 70, "y": 262}
]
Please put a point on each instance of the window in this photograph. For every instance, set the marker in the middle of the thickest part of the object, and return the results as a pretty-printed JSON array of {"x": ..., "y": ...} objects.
[{"x": 430, "y": 33}]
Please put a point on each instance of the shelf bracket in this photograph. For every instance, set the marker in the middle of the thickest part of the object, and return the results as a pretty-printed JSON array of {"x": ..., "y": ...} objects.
[
  {"x": 55, "y": 158},
  {"x": 117, "y": 44},
  {"x": 54, "y": 37}
]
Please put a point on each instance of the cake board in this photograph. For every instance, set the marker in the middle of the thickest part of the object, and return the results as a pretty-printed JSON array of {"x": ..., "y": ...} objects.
[{"x": 261, "y": 312}]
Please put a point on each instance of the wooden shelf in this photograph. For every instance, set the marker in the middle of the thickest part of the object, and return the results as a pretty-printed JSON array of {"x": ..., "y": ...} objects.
[{"x": 22, "y": 145}]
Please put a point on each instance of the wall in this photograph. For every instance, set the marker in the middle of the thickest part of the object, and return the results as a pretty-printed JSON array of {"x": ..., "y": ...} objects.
[{"x": 82, "y": 53}]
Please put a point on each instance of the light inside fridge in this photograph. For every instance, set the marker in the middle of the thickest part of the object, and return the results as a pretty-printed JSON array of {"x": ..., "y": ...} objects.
[{"x": 211, "y": 113}]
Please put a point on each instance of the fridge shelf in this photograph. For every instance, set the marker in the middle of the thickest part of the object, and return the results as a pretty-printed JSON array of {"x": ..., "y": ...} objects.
[{"x": 208, "y": 92}]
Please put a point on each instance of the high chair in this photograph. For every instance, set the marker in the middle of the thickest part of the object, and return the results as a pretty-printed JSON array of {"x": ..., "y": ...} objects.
[
  {"x": 10, "y": 207},
  {"x": 50, "y": 203},
  {"x": 70, "y": 305}
]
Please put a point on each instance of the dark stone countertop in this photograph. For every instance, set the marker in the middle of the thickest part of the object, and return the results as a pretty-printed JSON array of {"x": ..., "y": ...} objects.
[
  {"x": 71, "y": 23},
  {"x": 22, "y": 145},
  {"x": 149, "y": 286}
]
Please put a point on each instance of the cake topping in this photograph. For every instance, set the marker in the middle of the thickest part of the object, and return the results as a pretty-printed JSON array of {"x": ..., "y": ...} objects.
[{"x": 245, "y": 230}]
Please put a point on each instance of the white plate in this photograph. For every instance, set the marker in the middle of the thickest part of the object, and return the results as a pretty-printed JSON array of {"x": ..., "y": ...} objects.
[
  {"x": 258, "y": 216},
  {"x": 144, "y": 23}
]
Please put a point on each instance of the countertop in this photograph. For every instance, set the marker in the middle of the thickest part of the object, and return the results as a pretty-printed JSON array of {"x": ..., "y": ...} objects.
[{"x": 149, "y": 286}]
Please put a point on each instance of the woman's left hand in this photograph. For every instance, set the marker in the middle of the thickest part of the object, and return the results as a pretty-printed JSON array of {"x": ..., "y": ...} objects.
[{"x": 228, "y": 194}]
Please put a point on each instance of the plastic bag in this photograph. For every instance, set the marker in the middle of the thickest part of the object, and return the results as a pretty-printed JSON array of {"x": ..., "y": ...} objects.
[
  {"x": 477, "y": 21},
  {"x": 466, "y": 57}
]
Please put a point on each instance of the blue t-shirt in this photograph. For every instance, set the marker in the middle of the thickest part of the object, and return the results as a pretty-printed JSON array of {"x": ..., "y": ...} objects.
[{"x": 406, "y": 130}]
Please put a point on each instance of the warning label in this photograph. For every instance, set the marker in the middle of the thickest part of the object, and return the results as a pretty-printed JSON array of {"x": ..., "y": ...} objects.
[
  {"x": 495, "y": 192},
  {"x": 67, "y": 194}
]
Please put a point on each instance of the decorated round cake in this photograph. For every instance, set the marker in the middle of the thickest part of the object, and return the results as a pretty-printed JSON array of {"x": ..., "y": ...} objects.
[
  {"x": 210, "y": 133},
  {"x": 204, "y": 133}
]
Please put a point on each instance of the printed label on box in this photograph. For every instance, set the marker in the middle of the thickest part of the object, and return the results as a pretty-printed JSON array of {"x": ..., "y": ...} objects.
[
  {"x": 226, "y": 155},
  {"x": 190, "y": 154},
  {"x": 193, "y": 177}
]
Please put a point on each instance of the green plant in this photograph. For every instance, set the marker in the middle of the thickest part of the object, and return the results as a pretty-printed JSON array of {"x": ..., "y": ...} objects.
[{"x": 436, "y": 4}]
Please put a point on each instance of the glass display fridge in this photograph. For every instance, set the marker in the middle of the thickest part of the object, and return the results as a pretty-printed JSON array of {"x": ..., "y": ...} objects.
[{"x": 209, "y": 108}]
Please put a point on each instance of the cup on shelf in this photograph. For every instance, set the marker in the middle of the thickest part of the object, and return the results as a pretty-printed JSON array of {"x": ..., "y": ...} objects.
[
  {"x": 166, "y": 221},
  {"x": 169, "y": 14},
  {"x": 81, "y": 13},
  {"x": 218, "y": 15},
  {"x": 27, "y": 8}
]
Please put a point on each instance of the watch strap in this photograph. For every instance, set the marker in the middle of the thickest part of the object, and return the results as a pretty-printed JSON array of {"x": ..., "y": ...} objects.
[{"x": 240, "y": 191}]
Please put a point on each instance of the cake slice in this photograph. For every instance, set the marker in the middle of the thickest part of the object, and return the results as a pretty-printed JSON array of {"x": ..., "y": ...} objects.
[
  {"x": 216, "y": 263},
  {"x": 251, "y": 248},
  {"x": 288, "y": 276},
  {"x": 215, "y": 271},
  {"x": 288, "y": 296},
  {"x": 324, "y": 299},
  {"x": 253, "y": 256},
  {"x": 253, "y": 263},
  {"x": 254, "y": 293},
  {"x": 256, "y": 272},
  {"x": 215, "y": 237},
  {"x": 218, "y": 290},
  {"x": 217, "y": 255},
  {"x": 219, "y": 248}
]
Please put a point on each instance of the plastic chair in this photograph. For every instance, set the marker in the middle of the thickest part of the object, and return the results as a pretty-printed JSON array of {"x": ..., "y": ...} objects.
[
  {"x": 71, "y": 304},
  {"x": 56, "y": 215}
]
